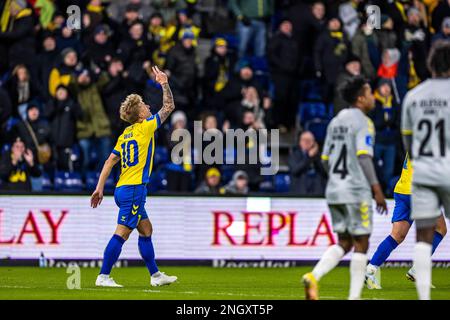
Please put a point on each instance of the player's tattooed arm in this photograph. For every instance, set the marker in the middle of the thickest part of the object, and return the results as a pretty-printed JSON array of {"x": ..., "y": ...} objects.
[{"x": 168, "y": 103}]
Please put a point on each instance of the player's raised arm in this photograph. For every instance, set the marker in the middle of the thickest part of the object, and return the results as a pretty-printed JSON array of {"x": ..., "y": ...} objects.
[
  {"x": 97, "y": 195},
  {"x": 168, "y": 103}
]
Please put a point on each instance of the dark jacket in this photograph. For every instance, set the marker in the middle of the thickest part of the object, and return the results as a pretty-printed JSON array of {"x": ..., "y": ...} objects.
[
  {"x": 182, "y": 64},
  {"x": 63, "y": 116},
  {"x": 203, "y": 188},
  {"x": 40, "y": 128},
  {"x": 283, "y": 55},
  {"x": 5, "y": 110},
  {"x": 13, "y": 90},
  {"x": 387, "y": 122},
  {"x": 19, "y": 39},
  {"x": 114, "y": 93},
  {"x": 17, "y": 177},
  {"x": 308, "y": 177},
  {"x": 330, "y": 54},
  {"x": 46, "y": 60},
  {"x": 96, "y": 53}
]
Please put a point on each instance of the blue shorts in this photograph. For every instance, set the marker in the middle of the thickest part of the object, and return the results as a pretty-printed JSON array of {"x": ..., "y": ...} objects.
[
  {"x": 402, "y": 209},
  {"x": 131, "y": 203}
]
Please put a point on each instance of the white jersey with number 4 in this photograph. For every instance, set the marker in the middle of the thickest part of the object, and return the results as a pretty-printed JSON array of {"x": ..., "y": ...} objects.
[
  {"x": 426, "y": 116},
  {"x": 350, "y": 134}
]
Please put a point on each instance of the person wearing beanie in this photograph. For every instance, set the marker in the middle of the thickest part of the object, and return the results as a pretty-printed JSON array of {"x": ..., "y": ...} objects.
[
  {"x": 352, "y": 68},
  {"x": 17, "y": 34},
  {"x": 444, "y": 33},
  {"x": 386, "y": 118},
  {"x": 218, "y": 69},
  {"x": 284, "y": 61},
  {"x": 330, "y": 52},
  {"x": 211, "y": 183},
  {"x": 238, "y": 184}
]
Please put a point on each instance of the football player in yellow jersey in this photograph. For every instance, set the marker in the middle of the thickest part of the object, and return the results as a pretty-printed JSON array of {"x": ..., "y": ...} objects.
[
  {"x": 401, "y": 223},
  {"x": 134, "y": 150}
]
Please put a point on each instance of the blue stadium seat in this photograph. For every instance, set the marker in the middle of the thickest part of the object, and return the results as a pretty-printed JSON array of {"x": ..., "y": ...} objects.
[
  {"x": 47, "y": 184},
  {"x": 227, "y": 171},
  {"x": 158, "y": 181},
  {"x": 161, "y": 156},
  {"x": 92, "y": 179},
  {"x": 68, "y": 181},
  {"x": 310, "y": 90},
  {"x": 313, "y": 110},
  {"x": 282, "y": 182},
  {"x": 318, "y": 127}
]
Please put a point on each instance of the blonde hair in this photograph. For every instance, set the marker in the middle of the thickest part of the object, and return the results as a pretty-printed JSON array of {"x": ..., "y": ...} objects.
[{"x": 130, "y": 108}]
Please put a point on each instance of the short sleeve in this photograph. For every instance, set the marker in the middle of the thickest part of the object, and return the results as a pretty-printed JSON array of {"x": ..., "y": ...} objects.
[
  {"x": 365, "y": 138},
  {"x": 152, "y": 124},
  {"x": 406, "y": 123},
  {"x": 117, "y": 149},
  {"x": 327, "y": 146}
]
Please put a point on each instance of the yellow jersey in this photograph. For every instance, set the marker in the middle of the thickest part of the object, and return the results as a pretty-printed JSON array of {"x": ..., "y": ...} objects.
[
  {"x": 135, "y": 147},
  {"x": 404, "y": 184}
]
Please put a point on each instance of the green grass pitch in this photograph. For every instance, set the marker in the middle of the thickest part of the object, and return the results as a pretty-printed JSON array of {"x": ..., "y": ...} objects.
[{"x": 206, "y": 283}]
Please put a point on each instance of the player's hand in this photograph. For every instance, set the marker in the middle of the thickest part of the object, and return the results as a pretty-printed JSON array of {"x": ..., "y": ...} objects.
[
  {"x": 380, "y": 200},
  {"x": 160, "y": 76},
  {"x": 96, "y": 198}
]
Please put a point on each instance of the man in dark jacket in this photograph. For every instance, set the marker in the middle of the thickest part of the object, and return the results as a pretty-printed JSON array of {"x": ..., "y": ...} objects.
[
  {"x": 283, "y": 56},
  {"x": 5, "y": 113},
  {"x": 352, "y": 68},
  {"x": 63, "y": 113},
  {"x": 211, "y": 184},
  {"x": 386, "y": 118},
  {"x": 46, "y": 60},
  {"x": 308, "y": 177},
  {"x": 182, "y": 65},
  {"x": 114, "y": 93},
  {"x": 17, "y": 168},
  {"x": 100, "y": 50},
  {"x": 17, "y": 33},
  {"x": 32, "y": 124},
  {"x": 218, "y": 68},
  {"x": 330, "y": 52}
]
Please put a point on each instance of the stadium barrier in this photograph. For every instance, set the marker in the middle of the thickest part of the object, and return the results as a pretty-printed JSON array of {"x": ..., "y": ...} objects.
[{"x": 215, "y": 230}]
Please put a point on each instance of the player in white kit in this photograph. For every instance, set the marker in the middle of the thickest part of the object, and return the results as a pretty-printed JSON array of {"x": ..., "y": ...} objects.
[
  {"x": 347, "y": 155},
  {"x": 426, "y": 135}
]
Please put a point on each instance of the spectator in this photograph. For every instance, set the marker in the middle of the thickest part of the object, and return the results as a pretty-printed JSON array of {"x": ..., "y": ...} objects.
[
  {"x": 363, "y": 48},
  {"x": 352, "y": 68},
  {"x": 181, "y": 64},
  {"x": 93, "y": 129},
  {"x": 444, "y": 34},
  {"x": 17, "y": 33},
  {"x": 130, "y": 17},
  {"x": 33, "y": 130},
  {"x": 438, "y": 15},
  {"x": 349, "y": 13},
  {"x": 169, "y": 9},
  {"x": 330, "y": 53},
  {"x": 218, "y": 69},
  {"x": 117, "y": 9},
  {"x": 308, "y": 177},
  {"x": 308, "y": 22},
  {"x": 45, "y": 62},
  {"x": 63, "y": 112},
  {"x": 67, "y": 38},
  {"x": 233, "y": 95},
  {"x": 238, "y": 184},
  {"x": 384, "y": 38},
  {"x": 252, "y": 16},
  {"x": 65, "y": 72},
  {"x": 179, "y": 176},
  {"x": 158, "y": 42},
  {"x": 184, "y": 24},
  {"x": 386, "y": 118},
  {"x": 283, "y": 56},
  {"x": 22, "y": 89},
  {"x": 416, "y": 38},
  {"x": 100, "y": 50},
  {"x": 114, "y": 93},
  {"x": 17, "y": 168},
  {"x": 211, "y": 184}
]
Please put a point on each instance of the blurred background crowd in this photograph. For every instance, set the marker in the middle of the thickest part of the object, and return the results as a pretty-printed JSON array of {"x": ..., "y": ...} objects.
[{"x": 231, "y": 63}]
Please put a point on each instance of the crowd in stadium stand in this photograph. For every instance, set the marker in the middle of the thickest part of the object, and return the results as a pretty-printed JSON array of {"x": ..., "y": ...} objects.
[{"x": 231, "y": 63}]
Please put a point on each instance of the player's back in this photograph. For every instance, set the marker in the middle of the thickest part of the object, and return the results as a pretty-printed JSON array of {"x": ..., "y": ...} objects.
[
  {"x": 427, "y": 117},
  {"x": 349, "y": 135},
  {"x": 136, "y": 146}
]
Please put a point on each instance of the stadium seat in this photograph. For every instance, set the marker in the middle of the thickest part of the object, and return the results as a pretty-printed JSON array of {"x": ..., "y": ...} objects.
[
  {"x": 318, "y": 127},
  {"x": 47, "y": 184},
  {"x": 161, "y": 156},
  {"x": 92, "y": 179},
  {"x": 282, "y": 182},
  {"x": 68, "y": 181},
  {"x": 158, "y": 181},
  {"x": 310, "y": 90},
  {"x": 227, "y": 171},
  {"x": 308, "y": 111}
]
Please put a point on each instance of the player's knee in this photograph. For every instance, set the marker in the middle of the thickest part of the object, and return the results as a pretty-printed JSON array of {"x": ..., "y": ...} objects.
[
  {"x": 361, "y": 243},
  {"x": 399, "y": 236}
]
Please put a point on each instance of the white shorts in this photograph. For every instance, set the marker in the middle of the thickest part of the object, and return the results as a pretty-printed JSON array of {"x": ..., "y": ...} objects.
[{"x": 426, "y": 201}]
